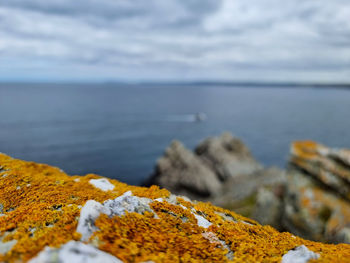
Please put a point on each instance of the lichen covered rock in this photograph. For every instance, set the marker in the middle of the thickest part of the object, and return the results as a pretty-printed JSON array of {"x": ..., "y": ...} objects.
[
  {"x": 330, "y": 166},
  {"x": 316, "y": 203},
  {"x": 52, "y": 217}
]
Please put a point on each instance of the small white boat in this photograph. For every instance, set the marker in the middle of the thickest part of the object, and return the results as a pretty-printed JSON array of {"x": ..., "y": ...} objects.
[{"x": 200, "y": 116}]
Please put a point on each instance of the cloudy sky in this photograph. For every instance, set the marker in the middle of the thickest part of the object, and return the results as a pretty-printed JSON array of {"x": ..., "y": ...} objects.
[{"x": 182, "y": 40}]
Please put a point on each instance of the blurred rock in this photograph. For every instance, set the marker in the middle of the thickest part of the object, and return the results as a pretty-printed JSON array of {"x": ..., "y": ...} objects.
[
  {"x": 227, "y": 156},
  {"x": 221, "y": 170},
  {"x": 329, "y": 166},
  {"x": 243, "y": 186},
  {"x": 182, "y": 172},
  {"x": 268, "y": 208},
  {"x": 311, "y": 199},
  {"x": 240, "y": 193},
  {"x": 304, "y": 212},
  {"x": 343, "y": 236},
  {"x": 316, "y": 202}
]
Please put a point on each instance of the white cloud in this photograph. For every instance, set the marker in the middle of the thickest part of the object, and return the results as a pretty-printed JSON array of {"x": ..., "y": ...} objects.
[{"x": 194, "y": 39}]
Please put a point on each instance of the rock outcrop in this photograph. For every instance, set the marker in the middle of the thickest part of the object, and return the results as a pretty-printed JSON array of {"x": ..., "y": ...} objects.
[
  {"x": 316, "y": 203},
  {"x": 227, "y": 156},
  {"x": 182, "y": 172},
  {"x": 213, "y": 171},
  {"x": 241, "y": 193},
  {"x": 311, "y": 199},
  {"x": 50, "y": 217},
  {"x": 220, "y": 170},
  {"x": 331, "y": 167}
]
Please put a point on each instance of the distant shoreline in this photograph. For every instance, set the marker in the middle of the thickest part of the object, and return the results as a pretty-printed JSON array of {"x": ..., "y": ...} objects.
[{"x": 185, "y": 84}]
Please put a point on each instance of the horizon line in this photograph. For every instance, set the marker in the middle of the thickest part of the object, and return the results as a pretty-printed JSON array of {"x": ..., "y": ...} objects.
[{"x": 185, "y": 83}]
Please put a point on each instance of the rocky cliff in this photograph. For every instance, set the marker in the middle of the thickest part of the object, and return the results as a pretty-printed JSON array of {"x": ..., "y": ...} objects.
[
  {"x": 48, "y": 216},
  {"x": 316, "y": 203},
  {"x": 310, "y": 199},
  {"x": 221, "y": 170}
]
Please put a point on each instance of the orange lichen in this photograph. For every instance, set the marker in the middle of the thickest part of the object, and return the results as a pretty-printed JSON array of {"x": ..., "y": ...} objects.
[
  {"x": 305, "y": 149},
  {"x": 42, "y": 206},
  {"x": 138, "y": 238},
  {"x": 310, "y": 155}
]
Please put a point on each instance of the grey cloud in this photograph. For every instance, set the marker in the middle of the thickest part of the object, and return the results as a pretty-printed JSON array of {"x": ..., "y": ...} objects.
[
  {"x": 171, "y": 38},
  {"x": 152, "y": 12}
]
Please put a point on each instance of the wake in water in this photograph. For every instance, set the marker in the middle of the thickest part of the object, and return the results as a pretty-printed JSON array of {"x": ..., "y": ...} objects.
[{"x": 197, "y": 117}]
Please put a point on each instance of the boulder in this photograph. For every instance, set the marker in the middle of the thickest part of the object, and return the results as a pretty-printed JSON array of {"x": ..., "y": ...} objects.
[
  {"x": 316, "y": 203},
  {"x": 227, "y": 156},
  {"x": 309, "y": 211},
  {"x": 51, "y": 217},
  {"x": 268, "y": 207},
  {"x": 329, "y": 166},
  {"x": 241, "y": 193},
  {"x": 182, "y": 172},
  {"x": 221, "y": 169}
]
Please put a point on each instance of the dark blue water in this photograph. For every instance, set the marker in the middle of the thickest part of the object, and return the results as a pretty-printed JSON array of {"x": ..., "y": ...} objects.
[{"x": 119, "y": 132}]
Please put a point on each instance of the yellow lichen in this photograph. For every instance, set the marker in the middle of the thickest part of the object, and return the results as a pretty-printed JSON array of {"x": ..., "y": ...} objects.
[
  {"x": 42, "y": 206},
  {"x": 305, "y": 149}
]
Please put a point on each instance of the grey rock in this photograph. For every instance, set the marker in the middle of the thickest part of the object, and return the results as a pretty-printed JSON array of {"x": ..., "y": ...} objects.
[
  {"x": 182, "y": 172},
  {"x": 311, "y": 211},
  {"x": 227, "y": 156},
  {"x": 268, "y": 208},
  {"x": 316, "y": 204},
  {"x": 343, "y": 236},
  {"x": 6, "y": 246},
  {"x": 88, "y": 214},
  {"x": 300, "y": 254},
  {"x": 127, "y": 202},
  {"x": 329, "y": 166},
  {"x": 76, "y": 252},
  {"x": 116, "y": 207},
  {"x": 240, "y": 193},
  {"x": 244, "y": 186},
  {"x": 221, "y": 170}
]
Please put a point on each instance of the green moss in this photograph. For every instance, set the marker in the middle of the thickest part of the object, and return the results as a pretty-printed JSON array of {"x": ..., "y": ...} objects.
[{"x": 244, "y": 207}]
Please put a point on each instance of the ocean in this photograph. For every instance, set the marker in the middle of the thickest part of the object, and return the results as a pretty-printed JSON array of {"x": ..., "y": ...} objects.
[{"x": 119, "y": 131}]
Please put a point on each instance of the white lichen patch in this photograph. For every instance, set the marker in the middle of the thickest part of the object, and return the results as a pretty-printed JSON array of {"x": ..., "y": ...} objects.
[
  {"x": 102, "y": 184},
  {"x": 226, "y": 217},
  {"x": 300, "y": 254},
  {"x": 76, "y": 252},
  {"x": 172, "y": 199},
  {"x": 88, "y": 214},
  {"x": 215, "y": 240},
  {"x": 201, "y": 221},
  {"x": 6, "y": 246},
  {"x": 127, "y": 202},
  {"x": 183, "y": 207},
  {"x": 117, "y": 207}
]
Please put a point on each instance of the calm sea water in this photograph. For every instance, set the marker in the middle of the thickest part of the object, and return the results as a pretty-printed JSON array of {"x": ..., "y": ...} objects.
[{"x": 119, "y": 132}]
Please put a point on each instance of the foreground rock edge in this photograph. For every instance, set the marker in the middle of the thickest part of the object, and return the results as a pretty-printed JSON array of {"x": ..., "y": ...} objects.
[{"x": 46, "y": 214}]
